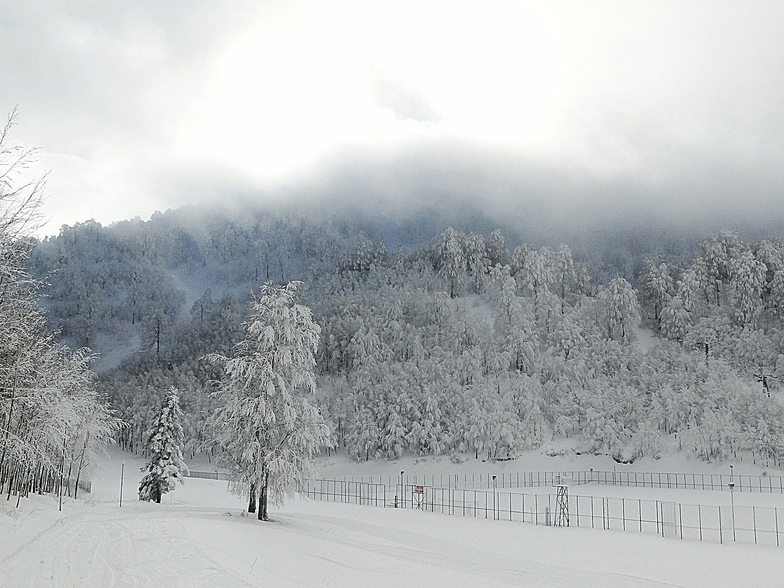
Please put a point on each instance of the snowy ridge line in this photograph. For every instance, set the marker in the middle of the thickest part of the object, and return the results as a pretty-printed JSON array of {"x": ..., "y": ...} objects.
[
  {"x": 713, "y": 524},
  {"x": 717, "y": 482}
]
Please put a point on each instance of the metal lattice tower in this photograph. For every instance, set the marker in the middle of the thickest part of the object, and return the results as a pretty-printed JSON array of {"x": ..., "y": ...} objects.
[{"x": 562, "y": 507}]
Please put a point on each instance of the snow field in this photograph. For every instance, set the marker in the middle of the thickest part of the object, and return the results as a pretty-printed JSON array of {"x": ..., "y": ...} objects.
[{"x": 190, "y": 540}]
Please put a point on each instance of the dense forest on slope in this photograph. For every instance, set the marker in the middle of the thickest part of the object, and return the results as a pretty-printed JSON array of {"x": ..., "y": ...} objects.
[{"x": 436, "y": 340}]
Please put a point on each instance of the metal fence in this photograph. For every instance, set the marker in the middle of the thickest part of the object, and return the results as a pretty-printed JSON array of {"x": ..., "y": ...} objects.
[
  {"x": 743, "y": 483},
  {"x": 717, "y": 524},
  {"x": 363, "y": 493},
  {"x": 209, "y": 475}
]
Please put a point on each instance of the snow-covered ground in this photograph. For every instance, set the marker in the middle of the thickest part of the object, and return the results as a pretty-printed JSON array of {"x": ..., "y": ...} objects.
[{"x": 198, "y": 537}]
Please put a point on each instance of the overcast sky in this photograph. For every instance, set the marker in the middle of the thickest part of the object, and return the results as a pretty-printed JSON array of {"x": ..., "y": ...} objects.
[{"x": 573, "y": 109}]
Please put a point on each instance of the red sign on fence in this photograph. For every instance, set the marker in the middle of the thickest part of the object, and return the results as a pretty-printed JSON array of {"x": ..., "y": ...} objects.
[{"x": 419, "y": 489}]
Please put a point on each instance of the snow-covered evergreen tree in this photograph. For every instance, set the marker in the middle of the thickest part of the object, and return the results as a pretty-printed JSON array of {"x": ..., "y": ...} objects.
[{"x": 164, "y": 446}]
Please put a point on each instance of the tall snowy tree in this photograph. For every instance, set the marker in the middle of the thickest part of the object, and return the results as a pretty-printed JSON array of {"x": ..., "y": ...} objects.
[
  {"x": 719, "y": 255},
  {"x": 452, "y": 261},
  {"x": 620, "y": 310},
  {"x": 657, "y": 286},
  {"x": 266, "y": 427},
  {"x": 164, "y": 444},
  {"x": 749, "y": 281}
]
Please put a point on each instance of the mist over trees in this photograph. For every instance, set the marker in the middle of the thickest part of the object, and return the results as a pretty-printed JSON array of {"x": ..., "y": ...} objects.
[{"x": 456, "y": 342}]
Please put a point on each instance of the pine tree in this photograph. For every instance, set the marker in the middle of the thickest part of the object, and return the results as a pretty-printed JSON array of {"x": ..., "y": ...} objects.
[{"x": 164, "y": 445}]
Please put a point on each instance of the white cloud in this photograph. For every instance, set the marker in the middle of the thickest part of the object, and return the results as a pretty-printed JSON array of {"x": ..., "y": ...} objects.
[{"x": 150, "y": 104}]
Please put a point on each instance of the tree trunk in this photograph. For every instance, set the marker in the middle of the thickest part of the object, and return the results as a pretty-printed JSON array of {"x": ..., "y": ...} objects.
[
  {"x": 252, "y": 501},
  {"x": 263, "y": 499}
]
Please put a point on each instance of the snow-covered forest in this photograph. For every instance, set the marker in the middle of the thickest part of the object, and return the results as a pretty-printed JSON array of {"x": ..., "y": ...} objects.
[{"x": 435, "y": 340}]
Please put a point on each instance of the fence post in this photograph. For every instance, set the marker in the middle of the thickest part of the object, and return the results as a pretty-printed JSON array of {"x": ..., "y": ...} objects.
[
  {"x": 592, "y": 515},
  {"x": 536, "y": 507},
  {"x": 577, "y": 508},
  {"x": 623, "y": 512},
  {"x": 657, "y": 518},
  {"x": 680, "y": 518}
]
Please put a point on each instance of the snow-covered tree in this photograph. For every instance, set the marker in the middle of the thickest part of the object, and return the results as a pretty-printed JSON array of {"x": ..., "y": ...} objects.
[
  {"x": 165, "y": 464},
  {"x": 566, "y": 274},
  {"x": 719, "y": 255},
  {"x": 619, "y": 310},
  {"x": 266, "y": 427},
  {"x": 496, "y": 248},
  {"x": 674, "y": 319},
  {"x": 657, "y": 286},
  {"x": 477, "y": 261},
  {"x": 749, "y": 279},
  {"x": 452, "y": 260}
]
